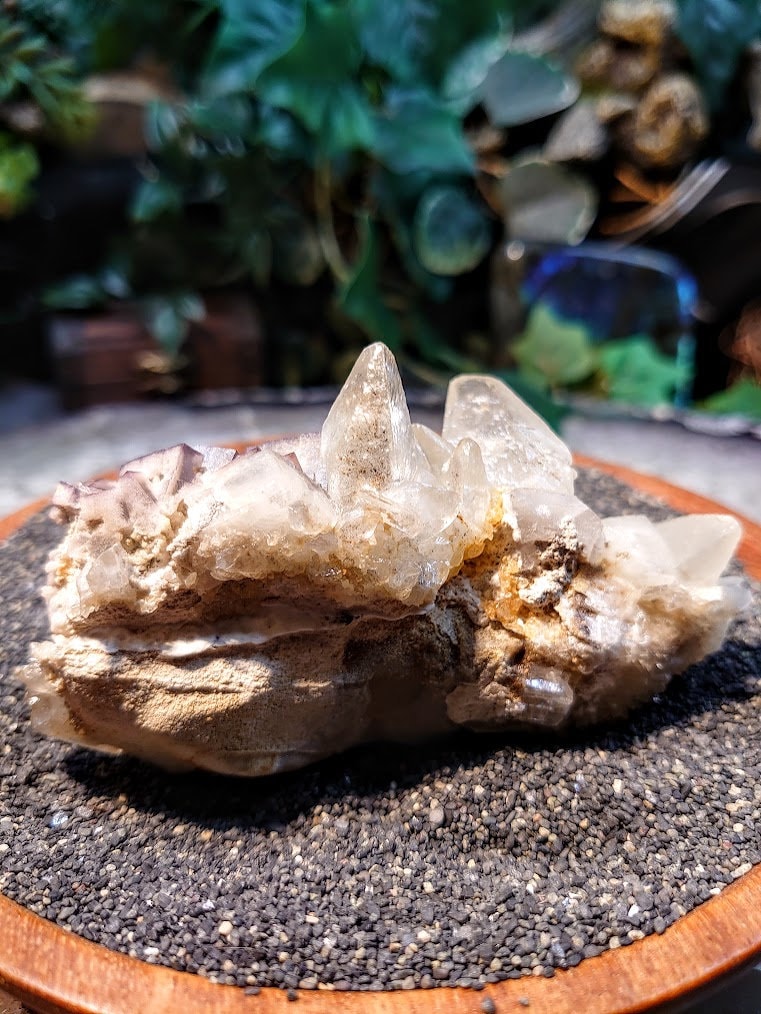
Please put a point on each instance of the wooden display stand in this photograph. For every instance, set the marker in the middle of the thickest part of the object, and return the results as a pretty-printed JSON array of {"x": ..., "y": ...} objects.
[{"x": 54, "y": 971}]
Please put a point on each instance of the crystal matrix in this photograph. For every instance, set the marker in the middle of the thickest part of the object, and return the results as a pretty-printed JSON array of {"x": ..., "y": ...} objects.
[{"x": 251, "y": 613}]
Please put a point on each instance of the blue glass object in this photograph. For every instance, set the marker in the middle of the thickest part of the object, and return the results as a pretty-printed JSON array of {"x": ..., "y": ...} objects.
[{"x": 616, "y": 293}]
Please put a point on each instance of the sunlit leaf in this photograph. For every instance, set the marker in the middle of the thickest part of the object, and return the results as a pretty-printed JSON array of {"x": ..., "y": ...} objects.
[
  {"x": 637, "y": 372},
  {"x": 742, "y": 398},
  {"x": 521, "y": 87},
  {"x": 451, "y": 233},
  {"x": 552, "y": 351},
  {"x": 18, "y": 168}
]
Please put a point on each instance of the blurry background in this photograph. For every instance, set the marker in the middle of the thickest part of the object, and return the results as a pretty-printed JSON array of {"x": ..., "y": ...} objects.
[
  {"x": 211, "y": 194},
  {"x": 214, "y": 204}
]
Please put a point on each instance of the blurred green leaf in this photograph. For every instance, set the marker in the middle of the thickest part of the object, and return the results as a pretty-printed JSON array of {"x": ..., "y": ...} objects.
[
  {"x": 360, "y": 297},
  {"x": 314, "y": 80},
  {"x": 521, "y": 87},
  {"x": 154, "y": 198},
  {"x": 451, "y": 233},
  {"x": 546, "y": 203},
  {"x": 19, "y": 166},
  {"x": 742, "y": 398},
  {"x": 166, "y": 323},
  {"x": 637, "y": 372},
  {"x": 554, "y": 352},
  {"x": 456, "y": 26},
  {"x": 228, "y": 117},
  {"x": 114, "y": 279},
  {"x": 251, "y": 37},
  {"x": 190, "y": 305},
  {"x": 464, "y": 78},
  {"x": 394, "y": 33},
  {"x": 348, "y": 122},
  {"x": 282, "y": 135},
  {"x": 415, "y": 132},
  {"x": 715, "y": 33},
  {"x": 161, "y": 124},
  {"x": 79, "y": 292}
]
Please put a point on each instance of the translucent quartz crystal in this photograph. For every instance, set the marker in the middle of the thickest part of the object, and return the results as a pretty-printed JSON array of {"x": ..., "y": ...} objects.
[
  {"x": 253, "y": 612},
  {"x": 520, "y": 450}
]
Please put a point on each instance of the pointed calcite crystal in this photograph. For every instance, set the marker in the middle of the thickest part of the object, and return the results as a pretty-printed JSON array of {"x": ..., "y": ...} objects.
[{"x": 251, "y": 613}]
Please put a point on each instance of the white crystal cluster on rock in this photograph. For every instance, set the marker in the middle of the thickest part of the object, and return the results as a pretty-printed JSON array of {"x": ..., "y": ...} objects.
[{"x": 250, "y": 613}]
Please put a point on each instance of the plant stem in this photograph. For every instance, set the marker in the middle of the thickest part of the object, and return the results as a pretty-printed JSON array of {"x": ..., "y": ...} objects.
[{"x": 326, "y": 234}]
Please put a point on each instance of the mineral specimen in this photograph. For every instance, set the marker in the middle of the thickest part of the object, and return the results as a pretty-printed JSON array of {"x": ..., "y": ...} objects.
[{"x": 250, "y": 613}]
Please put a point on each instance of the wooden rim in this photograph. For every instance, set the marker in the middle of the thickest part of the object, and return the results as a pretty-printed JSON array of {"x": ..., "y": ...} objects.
[{"x": 53, "y": 971}]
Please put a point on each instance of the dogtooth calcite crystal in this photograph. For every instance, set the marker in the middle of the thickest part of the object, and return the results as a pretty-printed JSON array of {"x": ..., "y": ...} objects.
[{"x": 250, "y": 613}]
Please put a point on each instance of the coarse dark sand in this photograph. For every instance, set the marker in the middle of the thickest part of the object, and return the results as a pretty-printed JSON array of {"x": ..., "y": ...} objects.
[{"x": 462, "y": 862}]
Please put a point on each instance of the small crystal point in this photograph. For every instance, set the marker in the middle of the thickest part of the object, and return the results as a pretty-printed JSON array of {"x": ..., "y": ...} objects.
[
  {"x": 367, "y": 440},
  {"x": 701, "y": 544},
  {"x": 519, "y": 448}
]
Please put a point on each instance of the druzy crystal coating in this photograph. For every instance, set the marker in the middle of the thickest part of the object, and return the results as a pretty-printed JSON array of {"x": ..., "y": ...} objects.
[{"x": 250, "y": 613}]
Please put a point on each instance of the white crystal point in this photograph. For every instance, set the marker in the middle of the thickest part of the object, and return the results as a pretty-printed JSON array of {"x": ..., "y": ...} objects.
[
  {"x": 701, "y": 544},
  {"x": 518, "y": 447},
  {"x": 164, "y": 472},
  {"x": 466, "y": 475},
  {"x": 436, "y": 450},
  {"x": 546, "y": 517},
  {"x": 639, "y": 551},
  {"x": 305, "y": 449},
  {"x": 366, "y": 441}
]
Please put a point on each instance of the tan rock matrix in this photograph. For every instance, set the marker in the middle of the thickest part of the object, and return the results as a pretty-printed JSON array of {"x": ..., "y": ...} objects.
[{"x": 250, "y": 613}]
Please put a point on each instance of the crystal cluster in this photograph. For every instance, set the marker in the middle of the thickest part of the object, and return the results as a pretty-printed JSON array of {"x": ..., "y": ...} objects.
[{"x": 250, "y": 613}]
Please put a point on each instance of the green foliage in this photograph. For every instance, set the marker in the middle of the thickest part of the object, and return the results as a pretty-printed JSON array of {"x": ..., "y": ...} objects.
[
  {"x": 315, "y": 141},
  {"x": 637, "y": 372},
  {"x": 18, "y": 168},
  {"x": 742, "y": 398},
  {"x": 715, "y": 32},
  {"x": 360, "y": 297},
  {"x": 554, "y": 352},
  {"x": 329, "y": 136},
  {"x": 31, "y": 70}
]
